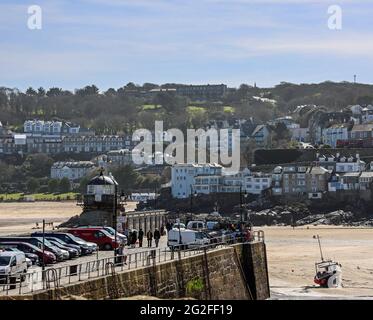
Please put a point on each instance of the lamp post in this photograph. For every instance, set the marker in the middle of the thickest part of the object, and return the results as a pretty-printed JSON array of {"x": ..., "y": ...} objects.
[
  {"x": 241, "y": 211},
  {"x": 191, "y": 201},
  {"x": 178, "y": 223},
  {"x": 43, "y": 266},
  {"x": 155, "y": 197},
  {"x": 115, "y": 219}
]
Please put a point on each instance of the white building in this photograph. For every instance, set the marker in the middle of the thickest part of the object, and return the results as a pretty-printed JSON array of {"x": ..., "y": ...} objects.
[
  {"x": 42, "y": 127},
  {"x": 213, "y": 178},
  {"x": 349, "y": 164},
  {"x": 183, "y": 175},
  {"x": 367, "y": 114},
  {"x": 257, "y": 182},
  {"x": 71, "y": 170},
  {"x": 335, "y": 132},
  {"x": 366, "y": 180}
]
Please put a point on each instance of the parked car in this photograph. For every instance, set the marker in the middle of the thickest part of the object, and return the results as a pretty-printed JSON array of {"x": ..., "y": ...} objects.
[
  {"x": 101, "y": 237},
  {"x": 196, "y": 225},
  {"x": 185, "y": 238},
  {"x": 63, "y": 243},
  {"x": 176, "y": 225},
  {"x": 12, "y": 265},
  {"x": 73, "y": 253},
  {"x": 49, "y": 257},
  {"x": 60, "y": 254},
  {"x": 87, "y": 247},
  {"x": 212, "y": 225},
  {"x": 110, "y": 230},
  {"x": 31, "y": 258}
]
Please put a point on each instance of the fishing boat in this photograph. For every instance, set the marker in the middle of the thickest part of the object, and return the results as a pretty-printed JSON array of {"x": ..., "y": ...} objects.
[{"x": 328, "y": 272}]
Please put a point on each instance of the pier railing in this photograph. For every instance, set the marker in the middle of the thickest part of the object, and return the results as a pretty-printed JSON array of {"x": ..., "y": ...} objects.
[{"x": 55, "y": 277}]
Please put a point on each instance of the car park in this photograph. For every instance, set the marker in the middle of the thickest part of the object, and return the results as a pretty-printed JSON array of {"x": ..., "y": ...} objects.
[{"x": 12, "y": 266}]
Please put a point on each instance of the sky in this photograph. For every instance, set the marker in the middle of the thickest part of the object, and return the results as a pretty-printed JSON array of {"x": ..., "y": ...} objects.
[{"x": 112, "y": 42}]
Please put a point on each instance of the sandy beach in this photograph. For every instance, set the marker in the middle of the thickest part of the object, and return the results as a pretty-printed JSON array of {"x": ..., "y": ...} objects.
[
  {"x": 18, "y": 217},
  {"x": 292, "y": 255}
]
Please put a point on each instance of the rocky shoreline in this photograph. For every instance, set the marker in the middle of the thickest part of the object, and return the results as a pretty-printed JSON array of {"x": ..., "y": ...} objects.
[{"x": 293, "y": 216}]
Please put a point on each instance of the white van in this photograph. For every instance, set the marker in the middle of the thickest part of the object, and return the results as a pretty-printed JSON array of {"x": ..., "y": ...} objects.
[
  {"x": 12, "y": 264},
  {"x": 196, "y": 225},
  {"x": 186, "y": 238}
]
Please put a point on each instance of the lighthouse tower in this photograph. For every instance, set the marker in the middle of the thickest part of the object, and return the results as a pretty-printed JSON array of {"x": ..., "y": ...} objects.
[{"x": 100, "y": 202}]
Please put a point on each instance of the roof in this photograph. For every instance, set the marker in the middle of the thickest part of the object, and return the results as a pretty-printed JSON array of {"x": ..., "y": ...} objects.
[
  {"x": 73, "y": 164},
  {"x": 362, "y": 127},
  {"x": 258, "y": 128},
  {"x": 101, "y": 180},
  {"x": 8, "y": 253},
  {"x": 367, "y": 174},
  {"x": 319, "y": 170},
  {"x": 338, "y": 126},
  {"x": 352, "y": 174}
]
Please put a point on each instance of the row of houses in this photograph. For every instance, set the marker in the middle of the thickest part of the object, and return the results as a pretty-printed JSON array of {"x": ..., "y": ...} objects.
[
  {"x": 189, "y": 179},
  {"x": 327, "y": 174},
  {"x": 48, "y": 144}
]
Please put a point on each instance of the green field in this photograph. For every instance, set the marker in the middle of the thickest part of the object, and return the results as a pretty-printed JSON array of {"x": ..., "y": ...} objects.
[
  {"x": 194, "y": 109},
  {"x": 228, "y": 109},
  {"x": 40, "y": 196},
  {"x": 150, "y": 107}
]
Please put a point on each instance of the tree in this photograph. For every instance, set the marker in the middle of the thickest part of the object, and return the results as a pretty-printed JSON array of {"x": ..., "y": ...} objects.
[
  {"x": 32, "y": 185},
  {"x": 37, "y": 165},
  {"x": 54, "y": 92},
  {"x": 87, "y": 90},
  {"x": 53, "y": 185},
  {"x": 31, "y": 92},
  {"x": 41, "y": 92},
  {"x": 65, "y": 185}
]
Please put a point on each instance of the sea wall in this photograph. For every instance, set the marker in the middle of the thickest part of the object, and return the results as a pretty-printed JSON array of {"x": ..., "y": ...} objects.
[{"x": 237, "y": 272}]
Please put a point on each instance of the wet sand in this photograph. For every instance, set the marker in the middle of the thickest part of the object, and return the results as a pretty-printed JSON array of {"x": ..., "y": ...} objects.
[{"x": 292, "y": 255}]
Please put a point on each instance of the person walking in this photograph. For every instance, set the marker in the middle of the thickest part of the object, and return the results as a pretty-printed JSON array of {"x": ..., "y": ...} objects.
[
  {"x": 149, "y": 236},
  {"x": 134, "y": 238},
  {"x": 141, "y": 236},
  {"x": 157, "y": 236}
]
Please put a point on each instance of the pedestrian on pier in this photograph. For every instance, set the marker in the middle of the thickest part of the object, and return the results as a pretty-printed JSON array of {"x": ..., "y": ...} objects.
[
  {"x": 134, "y": 238},
  {"x": 149, "y": 236},
  {"x": 157, "y": 236},
  {"x": 141, "y": 236}
]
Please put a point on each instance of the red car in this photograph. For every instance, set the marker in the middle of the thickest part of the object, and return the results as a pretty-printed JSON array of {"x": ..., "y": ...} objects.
[{"x": 101, "y": 237}]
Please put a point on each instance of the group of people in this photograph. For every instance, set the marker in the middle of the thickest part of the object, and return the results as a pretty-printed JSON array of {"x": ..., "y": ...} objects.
[{"x": 134, "y": 236}]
